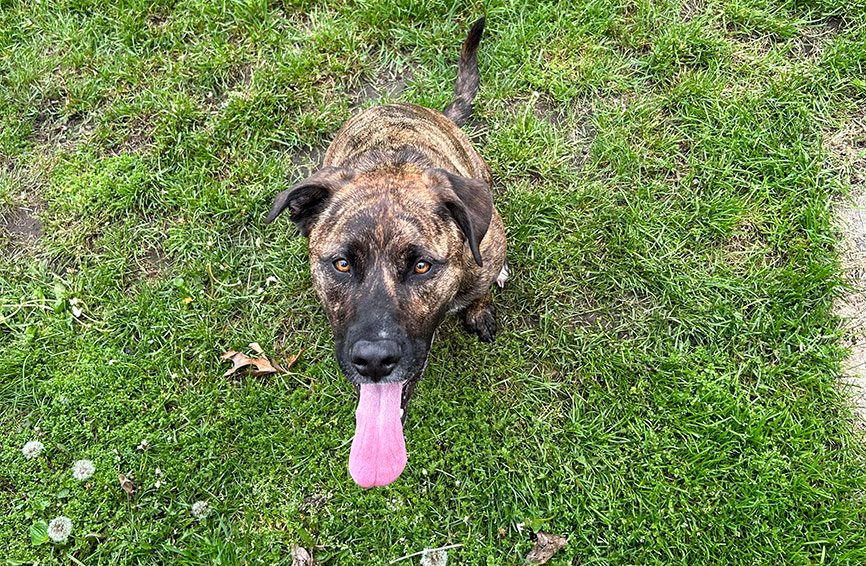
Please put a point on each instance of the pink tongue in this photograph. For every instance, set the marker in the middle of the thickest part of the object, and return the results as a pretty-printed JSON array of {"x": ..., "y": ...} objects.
[{"x": 378, "y": 451}]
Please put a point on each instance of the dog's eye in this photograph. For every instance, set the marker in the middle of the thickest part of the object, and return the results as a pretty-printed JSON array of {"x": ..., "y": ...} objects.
[
  {"x": 422, "y": 267},
  {"x": 342, "y": 265}
]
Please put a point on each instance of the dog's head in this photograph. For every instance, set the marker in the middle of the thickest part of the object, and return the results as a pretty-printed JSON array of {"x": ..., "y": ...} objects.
[
  {"x": 390, "y": 248},
  {"x": 388, "y": 257}
]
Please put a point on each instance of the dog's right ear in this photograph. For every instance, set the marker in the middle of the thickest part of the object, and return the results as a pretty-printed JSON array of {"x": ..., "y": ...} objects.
[{"x": 308, "y": 198}]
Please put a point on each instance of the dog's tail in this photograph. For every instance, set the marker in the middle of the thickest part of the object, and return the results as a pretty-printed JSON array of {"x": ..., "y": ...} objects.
[{"x": 468, "y": 78}]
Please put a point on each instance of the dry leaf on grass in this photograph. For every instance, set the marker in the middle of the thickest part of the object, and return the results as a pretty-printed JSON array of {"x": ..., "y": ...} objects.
[
  {"x": 301, "y": 557},
  {"x": 545, "y": 547},
  {"x": 263, "y": 365},
  {"x": 293, "y": 359},
  {"x": 127, "y": 485},
  {"x": 256, "y": 347}
]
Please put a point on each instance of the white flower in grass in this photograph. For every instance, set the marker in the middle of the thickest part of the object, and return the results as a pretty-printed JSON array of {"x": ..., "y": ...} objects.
[
  {"x": 434, "y": 558},
  {"x": 83, "y": 469},
  {"x": 32, "y": 449},
  {"x": 200, "y": 510},
  {"x": 59, "y": 529}
]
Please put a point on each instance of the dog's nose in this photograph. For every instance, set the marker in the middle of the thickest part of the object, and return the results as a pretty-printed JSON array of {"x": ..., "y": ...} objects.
[{"x": 376, "y": 359}]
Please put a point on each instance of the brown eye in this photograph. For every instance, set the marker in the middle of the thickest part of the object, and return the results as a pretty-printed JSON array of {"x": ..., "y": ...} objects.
[
  {"x": 422, "y": 267},
  {"x": 342, "y": 265}
]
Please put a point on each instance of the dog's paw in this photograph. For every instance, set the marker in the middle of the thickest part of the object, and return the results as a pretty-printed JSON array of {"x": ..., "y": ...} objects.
[{"x": 482, "y": 322}]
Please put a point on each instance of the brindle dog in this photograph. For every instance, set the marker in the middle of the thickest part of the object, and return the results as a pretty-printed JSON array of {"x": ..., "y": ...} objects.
[{"x": 402, "y": 231}]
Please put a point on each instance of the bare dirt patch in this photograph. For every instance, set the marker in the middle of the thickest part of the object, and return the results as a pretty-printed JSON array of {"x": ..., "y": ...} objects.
[
  {"x": 809, "y": 45},
  {"x": 690, "y": 9},
  {"x": 154, "y": 262},
  {"x": 137, "y": 137},
  {"x": 22, "y": 226},
  {"x": 306, "y": 161},
  {"x": 54, "y": 130},
  {"x": 573, "y": 119},
  {"x": 158, "y": 21},
  {"x": 616, "y": 316},
  {"x": 749, "y": 244},
  {"x": 848, "y": 147},
  {"x": 852, "y": 222},
  {"x": 236, "y": 82},
  {"x": 387, "y": 83}
]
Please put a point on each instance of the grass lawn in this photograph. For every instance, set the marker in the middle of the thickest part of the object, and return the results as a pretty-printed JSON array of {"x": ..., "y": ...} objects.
[{"x": 663, "y": 388}]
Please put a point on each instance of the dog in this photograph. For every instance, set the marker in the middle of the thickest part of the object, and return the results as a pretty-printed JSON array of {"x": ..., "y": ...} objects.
[{"x": 402, "y": 231}]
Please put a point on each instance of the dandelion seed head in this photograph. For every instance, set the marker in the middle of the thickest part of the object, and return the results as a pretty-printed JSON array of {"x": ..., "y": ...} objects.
[
  {"x": 83, "y": 469},
  {"x": 434, "y": 558},
  {"x": 200, "y": 510},
  {"x": 59, "y": 529},
  {"x": 32, "y": 449}
]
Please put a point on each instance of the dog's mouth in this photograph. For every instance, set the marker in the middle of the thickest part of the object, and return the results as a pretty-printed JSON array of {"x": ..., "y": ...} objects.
[{"x": 378, "y": 454}]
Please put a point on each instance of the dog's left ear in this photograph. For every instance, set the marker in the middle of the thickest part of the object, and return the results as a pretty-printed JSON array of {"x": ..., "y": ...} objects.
[
  {"x": 468, "y": 201},
  {"x": 308, "y": 198}
]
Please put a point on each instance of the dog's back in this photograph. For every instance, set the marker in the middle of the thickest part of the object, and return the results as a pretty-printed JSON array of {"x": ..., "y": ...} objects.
[
  {"x": 405, "y": 133},
  {"x": 415, "y": 134}
]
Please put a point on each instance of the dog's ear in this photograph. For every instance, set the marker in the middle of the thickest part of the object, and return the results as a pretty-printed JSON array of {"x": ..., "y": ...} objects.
[
  {"x": 469, "y": 202},
  {"x": 309, "y": 197}
]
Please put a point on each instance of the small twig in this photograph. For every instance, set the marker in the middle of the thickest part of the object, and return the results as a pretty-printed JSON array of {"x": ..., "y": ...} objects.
[{"x": 419, "y": 553}]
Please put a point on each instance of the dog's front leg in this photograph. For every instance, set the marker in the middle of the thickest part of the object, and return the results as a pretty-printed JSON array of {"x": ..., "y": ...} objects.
[{"x": 480, "y": 318}]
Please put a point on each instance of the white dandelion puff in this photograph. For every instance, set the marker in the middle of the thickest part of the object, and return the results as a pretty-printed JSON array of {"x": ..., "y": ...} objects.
[
  {"x": 32, "y": 449},
  {"x": 200, "y": 510},
  {"x": 59, "y": 529},
  {"x": 437, "y": 557},
  {"x": 83, "y": 469}
]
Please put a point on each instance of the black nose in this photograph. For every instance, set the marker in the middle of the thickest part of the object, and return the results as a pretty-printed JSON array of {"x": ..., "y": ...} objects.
[{"x": 375, "y": 359}]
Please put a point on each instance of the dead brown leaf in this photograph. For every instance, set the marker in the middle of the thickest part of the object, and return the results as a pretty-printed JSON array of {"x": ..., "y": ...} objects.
[
  {"x": 545, "y": 547},
  {"x": 127, "y": 485},
  {"x": 293, "y": 359},
  {"x": 262, "y": 365},
  {"x": 256, "y": 347},
  {"x": 301, "y": 557}
]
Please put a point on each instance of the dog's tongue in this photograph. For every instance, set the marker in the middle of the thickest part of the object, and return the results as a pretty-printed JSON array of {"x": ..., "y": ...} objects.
[{"x": 378, "y": 450}]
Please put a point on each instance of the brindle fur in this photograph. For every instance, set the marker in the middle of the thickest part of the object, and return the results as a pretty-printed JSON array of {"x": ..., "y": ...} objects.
[{"x": 401, "y": 183}]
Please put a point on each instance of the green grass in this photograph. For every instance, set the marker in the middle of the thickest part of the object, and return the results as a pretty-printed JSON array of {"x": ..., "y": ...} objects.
[{"x": 663, "y": 390}]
